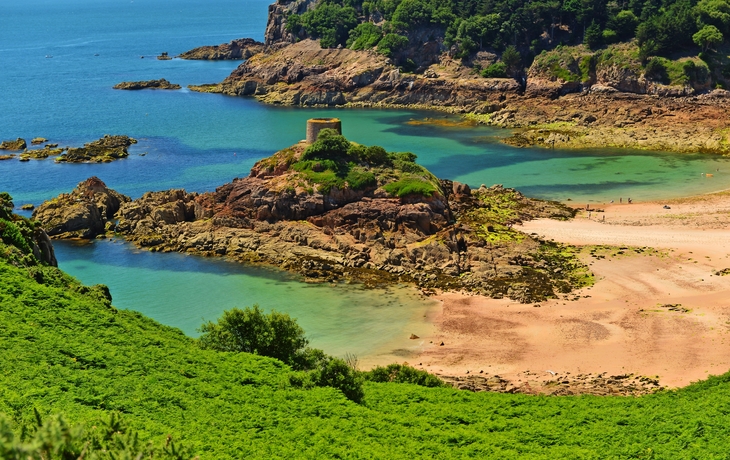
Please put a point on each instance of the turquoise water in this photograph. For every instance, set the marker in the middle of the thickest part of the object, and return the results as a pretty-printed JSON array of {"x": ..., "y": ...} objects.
[
  {"x": 185, "y": 291},
  {"x": 200, "y": 141}
]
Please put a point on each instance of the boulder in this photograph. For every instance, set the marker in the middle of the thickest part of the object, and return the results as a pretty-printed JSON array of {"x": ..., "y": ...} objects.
[{"x": 83, "y": 213}]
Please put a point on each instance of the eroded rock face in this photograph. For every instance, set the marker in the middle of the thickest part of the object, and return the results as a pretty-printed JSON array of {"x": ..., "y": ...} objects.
[
  {"x": 83, "y": 213},
  {"x": 242, "y": 48},
  {"x": 147, "y": 84},
  {"x": 305, "y": 74},
  {"x": 276, "y": 32}
]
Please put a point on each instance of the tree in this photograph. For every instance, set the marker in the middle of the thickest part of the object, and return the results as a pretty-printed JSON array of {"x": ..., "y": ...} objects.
[
  {"x": 252, "y": 331},
  {"x": 391, "y": 44},
  {"x": 593, "y": 37},
  {"x": 707, "y": 37},
  {"x": 512, "y": 59},
  {"x": 329, "y": 22},
  {"x": 364, "y": 36},
  {"x": 714, "y": 13}
]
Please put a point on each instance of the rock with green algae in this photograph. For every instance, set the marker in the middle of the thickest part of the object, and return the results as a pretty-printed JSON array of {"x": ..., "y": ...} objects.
[
  {"x": 40, "y": 154},
  {"x": 18, "y": 144},
  {"x": 104, "y": 150},
  {"x": 147, "y": 84}
]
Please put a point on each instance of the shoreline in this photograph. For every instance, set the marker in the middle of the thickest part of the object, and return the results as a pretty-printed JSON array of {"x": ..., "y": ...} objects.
[{"x": 659, "y": 307}]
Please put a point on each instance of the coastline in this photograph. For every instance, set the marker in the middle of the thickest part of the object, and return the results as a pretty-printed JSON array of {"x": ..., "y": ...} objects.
[{"x": 658, "y": 309}]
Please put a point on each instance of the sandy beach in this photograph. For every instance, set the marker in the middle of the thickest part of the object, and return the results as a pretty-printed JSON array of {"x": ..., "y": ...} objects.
[{"x": 658, "y": 307}]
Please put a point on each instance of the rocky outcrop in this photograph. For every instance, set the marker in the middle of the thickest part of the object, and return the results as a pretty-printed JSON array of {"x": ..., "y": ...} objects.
[
  {"x": 305, "y": 74},
  {"x": 38, "y": 140},
  {"x": 276, "y": 33},
  {"x": 40, "y": 154},
  {"x": 242, "y": 48},
  {"x": 83, "y": 213},
  {"x": 104, "y": 150},
  {"x": 18, "y": 144},
  {"x": 550, "y": 383},
  {"x": 148, "y": 84}
]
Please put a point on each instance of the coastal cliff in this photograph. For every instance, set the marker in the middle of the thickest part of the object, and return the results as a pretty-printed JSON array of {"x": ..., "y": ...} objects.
[{"x": 357, "y": 213}]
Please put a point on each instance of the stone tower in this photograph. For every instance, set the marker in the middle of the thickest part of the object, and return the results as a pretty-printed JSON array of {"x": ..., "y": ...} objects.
[{"x": 315, "y": 125}]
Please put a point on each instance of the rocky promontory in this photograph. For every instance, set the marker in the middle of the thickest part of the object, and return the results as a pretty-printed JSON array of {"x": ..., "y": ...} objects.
[
  {"x": 147, "y": 84},
  {"x": 242, "y": 48},
  {"x": 334, "y": 210}
]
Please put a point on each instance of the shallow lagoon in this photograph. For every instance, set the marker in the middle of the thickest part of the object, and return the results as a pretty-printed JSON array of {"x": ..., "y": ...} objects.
[{"x": 199, "y": 141}]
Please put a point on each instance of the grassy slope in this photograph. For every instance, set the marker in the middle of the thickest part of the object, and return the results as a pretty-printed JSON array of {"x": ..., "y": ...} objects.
[{"x": 72, "y": 353}]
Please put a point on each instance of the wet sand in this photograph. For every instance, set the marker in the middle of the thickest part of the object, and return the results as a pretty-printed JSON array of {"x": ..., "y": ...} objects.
[{"x": 625, "y": 323}]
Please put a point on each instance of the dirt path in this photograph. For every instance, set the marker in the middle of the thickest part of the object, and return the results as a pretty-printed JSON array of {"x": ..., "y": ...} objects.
[{"x": 659, "y": 311}]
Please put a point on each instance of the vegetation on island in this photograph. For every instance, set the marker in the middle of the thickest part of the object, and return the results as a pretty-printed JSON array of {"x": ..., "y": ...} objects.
[
  {"x": 333, "y": 161},
  {"x": 82, "y": 379},
  {"x": 663, "y": 35}
]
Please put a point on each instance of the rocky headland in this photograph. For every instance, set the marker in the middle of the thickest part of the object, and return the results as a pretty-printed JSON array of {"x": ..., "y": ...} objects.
[
  {"x": 568, "y": 97},
  {"x": 147, "y": 84},
  {"x": 242, "y": 48},
  {"x": 351, "y": 214}
]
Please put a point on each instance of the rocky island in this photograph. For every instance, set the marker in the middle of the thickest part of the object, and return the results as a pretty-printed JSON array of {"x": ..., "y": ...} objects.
[
  {"x": 331, "y": 209},
  {"x": 148, "y": 84}
]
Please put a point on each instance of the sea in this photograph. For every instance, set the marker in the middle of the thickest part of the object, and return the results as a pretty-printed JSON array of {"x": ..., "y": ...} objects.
[{"x": 58, "y": 62}]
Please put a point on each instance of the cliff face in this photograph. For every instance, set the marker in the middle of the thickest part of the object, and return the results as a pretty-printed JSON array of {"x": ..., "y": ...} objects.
[{"x": 276, "y": 33}]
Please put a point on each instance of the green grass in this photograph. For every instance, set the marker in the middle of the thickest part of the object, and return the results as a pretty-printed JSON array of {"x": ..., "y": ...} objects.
[{"x": 410, "y": 185}]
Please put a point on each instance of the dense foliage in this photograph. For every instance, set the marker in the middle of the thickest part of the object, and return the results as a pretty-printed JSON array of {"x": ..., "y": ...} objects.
[
  {"x": 468, "y": 26},
  {"x": 127, "y": 387},
  {"x": 333, "y": 161}
]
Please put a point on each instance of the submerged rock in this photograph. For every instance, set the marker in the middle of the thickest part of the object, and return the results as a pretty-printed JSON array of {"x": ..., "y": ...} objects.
[
  {"x": 104, "y": 150},
  {"x": 242, "y": 48},
  {"x": 151, "y": 84},
  {"x": 18, "y": 144}
]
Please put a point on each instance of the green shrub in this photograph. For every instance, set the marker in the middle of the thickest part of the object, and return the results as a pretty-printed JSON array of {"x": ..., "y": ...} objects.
[
  {"x": 250, "y": 330},
  {"x": 656, "y": 70},
  {"x": 398, "y": 373},
  {"x": 391, "y": 44},
  {"x": 329, "y": 21},
  {"x": 336, "y": 373},
  {"x": 11, "y": 234},
  {"x": 410, "y": 185},
  {"x": 329, "y": 145},
  {"x": 496, "y": 70},
  {"x": 364, "y": 36},
  {"x": 109, "y": 439},
  {"x": 358, "y": 178},
  {"x": 375, "y": 155}
]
